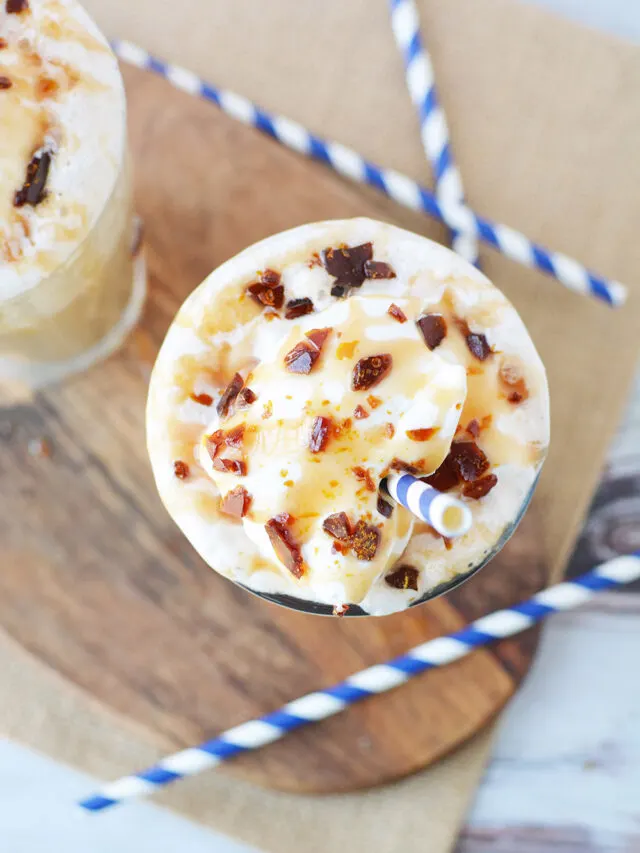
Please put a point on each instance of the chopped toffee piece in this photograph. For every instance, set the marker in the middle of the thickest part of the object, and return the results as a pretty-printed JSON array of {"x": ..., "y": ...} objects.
[
  {"x": 364, "y": 475},
  {"x": 180, "y": 469},
  {"x": 514, "y": 385},
  {"x": 478, "y": 346},
  {"x": 202, "y": 399},
  {"x": 433, "y": 328},
  {"x": 5, "y": 83},
  {"x": 298, "y": 308},
  {"x": 229, "y": 395},
  {"x": 481, "y": 487},
  {"x": 404, "y": 577},
  {"x": 320, "y": 433},
  {"x": 347, "y": 265},
  {"x": 287, "y": 550},
  {"x": 384, "y": 507},
  {"x": 235, "y": 436},
  {"x": 365, "y": 540},
  {"x": 360, "y": 413},
  {"x": 15, "y": 7},
  {"x": 214, "y": 442},
  {"x": 400, "y": 465},
  {"x": 370, "y": 371},
  {"x": 3, "y": 44},
  {"x": 397, "y": 313},
  {"x": 318, "y": 337},
  {"x": 422, "y": 434},
  {"x": 236, "y": 502},
  {"x": 245, "y": 398},
  {"x": 445, "y": 478},
  {"x": 267, "y": 410},
  {"x": 477, "y": 343},
  {"x": 271, "y": 295},
  {"x": 468, "y": 460},
  {"x": 301, "y": 358},
  {"x": 340, "y": 609},
  {"x": 230, "y": 466},
  {"x": 338, "y": 526},
  {"x": 270, "y": 277},
  {"x": 389, "y": 430},
  {"x": 473, "y": 428},
  {"x": 374, "y": 402},
  {"x": 378, "y": 269},
  {"x": 315, "y": 261},
  {"x": 33, "y": 190}
]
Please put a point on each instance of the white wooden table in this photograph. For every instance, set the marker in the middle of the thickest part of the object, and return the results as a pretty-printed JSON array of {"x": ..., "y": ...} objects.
[{"x": 565, "y": 774}]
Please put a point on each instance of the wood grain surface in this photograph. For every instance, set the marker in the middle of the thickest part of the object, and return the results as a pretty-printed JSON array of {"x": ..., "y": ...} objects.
[{"x": 99, "y": 584}]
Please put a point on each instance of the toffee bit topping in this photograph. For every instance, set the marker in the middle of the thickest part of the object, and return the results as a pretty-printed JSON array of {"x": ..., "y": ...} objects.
[
  {"x": 404, "y": 577},
  {"x": 433, "y": 328},
  {"x": 478, "y": 346},
  {"x": 267, "y": 410},
  {"x": 364, "y": 475},
  {"x": 347, "y": 265},
  {"x": 338, "y": 526},
  {"x": 270, "y": 277},
  {"x": 480, "y": 488},
  {"x": 287, "y": 550},
  {"x": 5, "y": 83},
  {"x": 180, "y": 469},
  {"x": 298, "y": 308},
  {"x": 422, "y": 434},
  {"x": 389, "y": 430},
  {"x": 301, "y": 358},
  {"x": 374, "y": 402},
  {"x": 360, "y": 413},
  {"x": 320, "y": 434},
  {"x": 245, "y": 398},
  {"x": 477, "y": 343},
  {"x": 235, "y": 436},
  {"x": 214, "y": 442},
  {"x": 445, "y": 478},
  {"x": 511, "y": 377},
  {"x": 370, "y": 371},
  {"x": 397, "y": 313},
  {"x": 268, "y": 291},
  {"x": 33, "y": 191},
  {"x": 378, "y": 269},
  {"x": 341, "y": 609},
  {"x": 202, "y": 399},
  {"x": 15, "y": 7},
  {"x": 230, "y": 466},
  {"x": 400, "y": 465},
  {"x": 473, "y": 428},
  {"x": 384, "y": 507},
  {"x": 365, "y": 540},
  {"x": 3, "y": 44},
  {"x": 468, "y": 460},
  {"x": 465, "y": 463},
  {"x": 229, "y": 395},
  {"x": 315, "y": 261},
  {"x": 236, "y": 502},
  {"x": 318, "y": 337}
]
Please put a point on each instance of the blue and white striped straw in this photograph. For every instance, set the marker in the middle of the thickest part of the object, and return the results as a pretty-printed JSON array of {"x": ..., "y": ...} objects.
[
  {"x": 397, "y": 186},
  {"x": 447, "y": 515},
  {"x": 375, "y": 679},
  {"x": 434, "y": 130}
]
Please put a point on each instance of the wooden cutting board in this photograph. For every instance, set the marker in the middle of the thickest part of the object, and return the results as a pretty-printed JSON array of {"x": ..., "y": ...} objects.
[{"x": 99, "y": 584}]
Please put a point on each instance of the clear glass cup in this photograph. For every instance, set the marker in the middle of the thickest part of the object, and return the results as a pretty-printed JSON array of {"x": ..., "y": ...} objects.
[{"x": 83, "y": 309}]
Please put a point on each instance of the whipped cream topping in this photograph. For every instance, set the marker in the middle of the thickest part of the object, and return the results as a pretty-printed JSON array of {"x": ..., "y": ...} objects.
[
  {"x": 62, "y": 113},
  {"x": 277, "y": 485}
]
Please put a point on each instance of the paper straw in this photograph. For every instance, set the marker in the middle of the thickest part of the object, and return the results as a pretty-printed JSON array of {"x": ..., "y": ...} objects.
[
  {"x": 397, "y": 186},
  {"x": 434, "y": 130},
  {"x": 447, "y": 515},
  {"x": 375, "y": 679}
]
